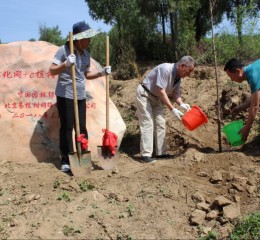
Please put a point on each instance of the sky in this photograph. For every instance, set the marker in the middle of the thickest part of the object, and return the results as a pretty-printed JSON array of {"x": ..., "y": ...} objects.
[{"x": 21, "y": 19}]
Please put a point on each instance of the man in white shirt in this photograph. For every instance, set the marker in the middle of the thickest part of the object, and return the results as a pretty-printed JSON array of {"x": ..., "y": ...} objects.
[{"x": 151, "y": 96}]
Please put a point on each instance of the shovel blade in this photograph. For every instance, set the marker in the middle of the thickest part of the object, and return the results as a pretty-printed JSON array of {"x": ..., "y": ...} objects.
[
  {"x": 80, "y": 167},
  {"x": 107, "y": 160}
]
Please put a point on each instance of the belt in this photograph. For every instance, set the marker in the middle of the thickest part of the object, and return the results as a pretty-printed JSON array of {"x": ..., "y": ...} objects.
[{"x": 147, "y": 90}]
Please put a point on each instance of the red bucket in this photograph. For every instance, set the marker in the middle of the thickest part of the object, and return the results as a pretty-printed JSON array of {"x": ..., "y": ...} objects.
[{"x": 194, "y": 118}]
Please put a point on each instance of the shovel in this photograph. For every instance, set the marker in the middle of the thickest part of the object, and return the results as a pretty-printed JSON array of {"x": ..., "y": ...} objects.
[
  {"x": 107, "y": 160},
  {"x": 80, "y": 162}
]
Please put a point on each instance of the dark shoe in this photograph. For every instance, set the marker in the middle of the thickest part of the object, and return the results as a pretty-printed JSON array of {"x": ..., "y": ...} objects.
[
  {"x": 164, "y": 156},
  {"x": 148, "y": 159}
]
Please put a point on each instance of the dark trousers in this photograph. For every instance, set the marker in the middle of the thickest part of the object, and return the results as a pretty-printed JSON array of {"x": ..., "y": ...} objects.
[{"x": 65, "y": 108}]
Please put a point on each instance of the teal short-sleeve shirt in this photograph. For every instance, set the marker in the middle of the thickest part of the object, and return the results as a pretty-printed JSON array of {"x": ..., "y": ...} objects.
[{"x": 252, "y": 72}]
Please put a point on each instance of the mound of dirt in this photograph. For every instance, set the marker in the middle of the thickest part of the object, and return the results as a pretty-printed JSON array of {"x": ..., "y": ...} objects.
[{"x": 197, "y": 190}]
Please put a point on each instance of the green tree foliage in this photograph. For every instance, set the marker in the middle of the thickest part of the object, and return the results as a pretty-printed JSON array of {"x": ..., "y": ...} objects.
[
  {"x": 123, "y": 57},
  {"x": 165, "y": 30},
  {"x": 98, "y": 49},
  {"x": 130, "y": 29},
  {"x": 51, "y": 35},
  {"x": 239, "y": 10},
  {"x": 202, "y": 16},
  {"x": 103, "y": 9},
  {"x": 114, "y": 12}
]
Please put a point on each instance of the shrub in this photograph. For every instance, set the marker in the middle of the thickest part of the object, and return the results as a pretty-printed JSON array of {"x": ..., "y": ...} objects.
[
  {"x": 247, "y": 228},
  {"x": 98, "y": 49}
]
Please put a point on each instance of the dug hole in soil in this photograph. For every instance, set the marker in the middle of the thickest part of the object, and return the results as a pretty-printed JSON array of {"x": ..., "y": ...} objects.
[{"x": 195, "y": 191}]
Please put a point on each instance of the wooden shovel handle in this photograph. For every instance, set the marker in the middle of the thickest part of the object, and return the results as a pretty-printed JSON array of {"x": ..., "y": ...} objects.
[
  {"x": 107, "y": 83},
  {"x": 75, "y": 96}
]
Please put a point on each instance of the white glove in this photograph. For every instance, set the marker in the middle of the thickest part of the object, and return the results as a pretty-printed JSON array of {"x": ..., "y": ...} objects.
[
  {"x": 177, "y": 113},
  {"x": 106, "y": 71},
  {"x": 71, "y": 59},
  {"x": 185, "y": 106}
]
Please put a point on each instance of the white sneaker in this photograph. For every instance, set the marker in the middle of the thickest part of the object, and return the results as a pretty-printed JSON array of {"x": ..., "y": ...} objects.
[{"x": 65, "y": 167}]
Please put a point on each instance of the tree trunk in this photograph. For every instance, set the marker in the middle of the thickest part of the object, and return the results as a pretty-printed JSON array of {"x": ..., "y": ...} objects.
[
  {"x": 173, "y": 36},
  {"x": 163, "y": 22},
  {"x": 176, "y": 32},
  {"x": 211, "y": 6},
  {"x": 239, "y": 21}
]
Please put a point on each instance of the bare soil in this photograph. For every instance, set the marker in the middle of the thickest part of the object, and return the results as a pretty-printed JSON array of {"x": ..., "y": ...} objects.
[{"x": 173, "y": 198}]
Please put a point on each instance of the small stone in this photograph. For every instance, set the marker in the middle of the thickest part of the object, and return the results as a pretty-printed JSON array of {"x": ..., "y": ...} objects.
[
  {"x": 238, "y": 187},
  {"x": 212, "y": 215},
  {"x": 229, "y": 177},
  {"x": 216, "y": 177},
  {"x": 222, "y": 220},
  {"x": 73, "y": 184},
  {"x": 197, "y": 217},
  {"x": 13, "y": 223},
  {"x": 232, "y": 191},
  {"x": 202, "y": 174},
  {"x": 30, "y": 197},
  {"x": 237, "y": 198},
  {"x": 203, "y": 206},
  {"x": 115, "y": 170},
  {"x": 251, "y": 189},
  {"x": 206, "y": 230},
  {"x": 231, "y": 211},
  {"x": 222, "y": 201},
  {"x": 97, "y": 196},
  {"x": 241, "y": 180},
  {"x": 225, "y": 232},
  {"x": 197, "y": 197},
  {"x": 38, "y": 196}
]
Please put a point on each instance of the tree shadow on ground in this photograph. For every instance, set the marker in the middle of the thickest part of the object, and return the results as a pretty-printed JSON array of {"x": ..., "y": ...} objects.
[
  {"x": 44, "y": 143},
  {"x": 130, "y": 145},
  {"x": 252, "y": 148},
  {"x": 206, "y": 150}
]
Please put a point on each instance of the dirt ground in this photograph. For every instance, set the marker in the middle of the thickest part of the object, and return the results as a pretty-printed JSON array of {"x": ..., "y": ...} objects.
[{"x": 199, "y": 189}]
